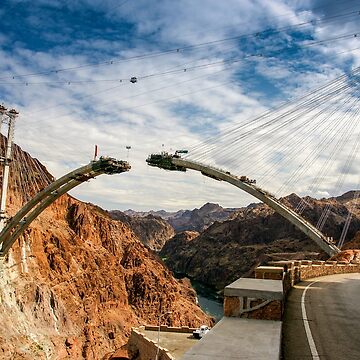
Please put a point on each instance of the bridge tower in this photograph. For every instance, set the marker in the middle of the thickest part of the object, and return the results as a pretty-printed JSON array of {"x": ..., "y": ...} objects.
[{"x": 8, "y": 118}]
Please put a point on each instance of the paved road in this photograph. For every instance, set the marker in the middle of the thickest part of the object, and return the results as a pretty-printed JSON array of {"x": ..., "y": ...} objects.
[{"x": 332, "y": 306}]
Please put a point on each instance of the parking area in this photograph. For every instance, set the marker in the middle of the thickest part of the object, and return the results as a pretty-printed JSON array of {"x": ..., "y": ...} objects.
[{"x": 176, "y": 342}]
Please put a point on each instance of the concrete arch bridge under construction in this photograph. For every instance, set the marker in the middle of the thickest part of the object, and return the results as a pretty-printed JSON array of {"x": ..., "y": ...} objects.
[{"x": 175, "y": 163}]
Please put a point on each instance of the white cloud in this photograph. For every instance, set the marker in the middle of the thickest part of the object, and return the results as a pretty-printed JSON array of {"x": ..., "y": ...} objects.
[{"x": 60, "y": 123}]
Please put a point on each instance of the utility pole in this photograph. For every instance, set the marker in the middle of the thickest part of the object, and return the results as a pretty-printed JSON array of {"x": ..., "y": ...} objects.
[{"x": 6, "y": 160}]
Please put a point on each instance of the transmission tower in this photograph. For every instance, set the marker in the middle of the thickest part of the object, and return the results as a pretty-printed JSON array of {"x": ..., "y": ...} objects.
[{"x": 8, "y": 118}]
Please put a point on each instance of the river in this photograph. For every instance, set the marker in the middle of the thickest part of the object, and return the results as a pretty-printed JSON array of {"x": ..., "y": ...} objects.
[{"x": 209, "y": 300}]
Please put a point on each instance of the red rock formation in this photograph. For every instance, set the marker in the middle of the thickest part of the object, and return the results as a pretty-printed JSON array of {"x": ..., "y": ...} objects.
[
  {"x": 231, "y": 249},
  {"x": 349, "y": 256},
  {"x": 75, "y": 283}
]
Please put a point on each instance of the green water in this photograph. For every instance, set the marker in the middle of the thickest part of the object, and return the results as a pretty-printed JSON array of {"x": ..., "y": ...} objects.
[{"x": 209, "y": 300}]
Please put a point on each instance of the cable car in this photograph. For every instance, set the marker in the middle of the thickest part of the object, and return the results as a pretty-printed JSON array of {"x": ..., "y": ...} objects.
[{"x": 134, "y": 80}]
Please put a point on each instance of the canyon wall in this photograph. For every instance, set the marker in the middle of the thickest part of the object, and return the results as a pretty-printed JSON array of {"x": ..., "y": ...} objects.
[{"x": 77, "y": 281}]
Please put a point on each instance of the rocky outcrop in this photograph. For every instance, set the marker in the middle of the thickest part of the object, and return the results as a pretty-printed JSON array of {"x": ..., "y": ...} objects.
[
  {"x": 354, "y": 243},
  {"x": 192, "y": 220},
  {"x": 199, "y": 219},
  {"x": 229, "y": 250},
  {"x": 348, "y": 256},
  {"x": 178, "y": 244},
  {"x": 77, "y": 281},
  {"x": 152, "y": 230}
]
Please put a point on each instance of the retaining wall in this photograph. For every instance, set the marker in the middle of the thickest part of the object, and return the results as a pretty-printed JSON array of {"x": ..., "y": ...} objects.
[
  {"x": 292, "y": 272},
  {"x": 177, "y": 329},
  {"x": 143, "y": 348}
]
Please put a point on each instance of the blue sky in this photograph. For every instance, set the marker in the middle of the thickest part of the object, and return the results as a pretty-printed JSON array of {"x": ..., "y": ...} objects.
[{"x": 66, "y": 65}]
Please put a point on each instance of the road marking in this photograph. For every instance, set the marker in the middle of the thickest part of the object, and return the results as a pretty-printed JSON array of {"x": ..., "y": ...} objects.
[{"x": 309, "y": 336}]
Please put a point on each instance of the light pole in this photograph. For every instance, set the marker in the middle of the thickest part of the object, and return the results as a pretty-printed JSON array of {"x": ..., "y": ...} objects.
[{"x": 158, "y": 339}]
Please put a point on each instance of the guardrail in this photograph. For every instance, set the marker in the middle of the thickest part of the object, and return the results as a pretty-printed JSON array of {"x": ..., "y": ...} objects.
[{"x": 256, "y": 299}]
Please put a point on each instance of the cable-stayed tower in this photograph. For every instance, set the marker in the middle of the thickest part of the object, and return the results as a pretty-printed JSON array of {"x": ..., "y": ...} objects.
[{"x": 8, "y": 118}]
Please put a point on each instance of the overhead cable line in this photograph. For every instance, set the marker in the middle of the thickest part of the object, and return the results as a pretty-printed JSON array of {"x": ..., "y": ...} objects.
[
  {"x": 348, "y": 218},
  {"x": 329, "y": 134},
  {"x": 349, "y": 161},
  {"x": 250, "y": 123},
  {"x": 186, "y": 69},
  {"x": 187, "y": 47},
  {"x": 295, "y": 144},
  {"x": 336, "y": 144},
  {"x": 125, "y": 98},
  {"x": 131, "y": 96}
]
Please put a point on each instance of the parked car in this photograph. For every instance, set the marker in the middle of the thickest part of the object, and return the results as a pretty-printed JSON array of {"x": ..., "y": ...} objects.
[{"x": 201, "y": 331}]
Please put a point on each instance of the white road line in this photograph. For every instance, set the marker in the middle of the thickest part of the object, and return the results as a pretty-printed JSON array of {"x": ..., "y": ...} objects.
[{"x": 310, "y": 338}]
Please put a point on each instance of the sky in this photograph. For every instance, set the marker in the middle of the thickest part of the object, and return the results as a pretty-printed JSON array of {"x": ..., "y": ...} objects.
[{"x": 201, "y": 67}]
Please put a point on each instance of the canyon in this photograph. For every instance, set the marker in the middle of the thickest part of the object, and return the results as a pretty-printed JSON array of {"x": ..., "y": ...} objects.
[
  {"x": 77, "y": 281},
  {"x": 81, "y": 277},
  {"x": 256, "y": 234}
]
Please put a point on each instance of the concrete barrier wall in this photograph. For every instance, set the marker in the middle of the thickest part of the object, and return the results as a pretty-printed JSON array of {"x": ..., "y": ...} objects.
[
  {"x": 177, "y": 329},
  {"x": 296, "y": 271},
  {"x": 287, "y": 272},
  {"x": 142, "y": 348}
]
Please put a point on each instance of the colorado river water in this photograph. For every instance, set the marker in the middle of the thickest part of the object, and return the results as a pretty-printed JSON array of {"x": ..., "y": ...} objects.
[{"x": 209, "y": 300}]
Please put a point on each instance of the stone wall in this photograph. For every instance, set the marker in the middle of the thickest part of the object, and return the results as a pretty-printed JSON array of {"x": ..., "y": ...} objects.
[
  {"x": 296, "y": 271},
  {"x": 288, "y": 273},
  {"x": 142, "y": 348}
]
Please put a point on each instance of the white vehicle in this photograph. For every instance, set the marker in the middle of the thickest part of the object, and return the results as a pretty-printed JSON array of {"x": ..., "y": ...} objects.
[{"x": 201, "y": 331}]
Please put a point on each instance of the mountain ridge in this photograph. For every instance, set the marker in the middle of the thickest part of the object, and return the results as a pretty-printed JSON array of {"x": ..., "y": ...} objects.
[
  {"x": 197, "y": 219},
  {"x": 228, "y": 250}
]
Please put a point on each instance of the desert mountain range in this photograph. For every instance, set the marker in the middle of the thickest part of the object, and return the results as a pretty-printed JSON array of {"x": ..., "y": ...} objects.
[{"x": 215, "y": 246}]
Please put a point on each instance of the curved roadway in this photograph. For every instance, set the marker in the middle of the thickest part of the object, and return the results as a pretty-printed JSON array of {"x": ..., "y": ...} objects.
[{"x": 322, "y": 319}]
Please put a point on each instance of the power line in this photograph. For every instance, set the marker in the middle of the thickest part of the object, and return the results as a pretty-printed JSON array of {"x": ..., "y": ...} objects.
[
  {"x": 185, "y": 69},
  {"x": 121, "y": 4},
  {"x": 188, "y": 47},
  {"x": 134, "y": 96}
]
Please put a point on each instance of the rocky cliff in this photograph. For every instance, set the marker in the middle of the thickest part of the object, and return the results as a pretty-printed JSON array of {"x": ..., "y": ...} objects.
[
  {"x": 228, "y": 250},
  {"x": 75, "y": 283},
  {"x": 152, "y": 230}
]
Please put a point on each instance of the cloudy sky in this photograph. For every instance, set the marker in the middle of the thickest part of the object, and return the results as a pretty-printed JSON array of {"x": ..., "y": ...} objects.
[{"x": 203, "y": 67}]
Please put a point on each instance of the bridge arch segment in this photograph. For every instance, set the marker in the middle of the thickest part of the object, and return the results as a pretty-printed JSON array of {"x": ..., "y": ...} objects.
[
  {"x": 25, "y": 216},
  {"x": 172, "y": 162}
]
